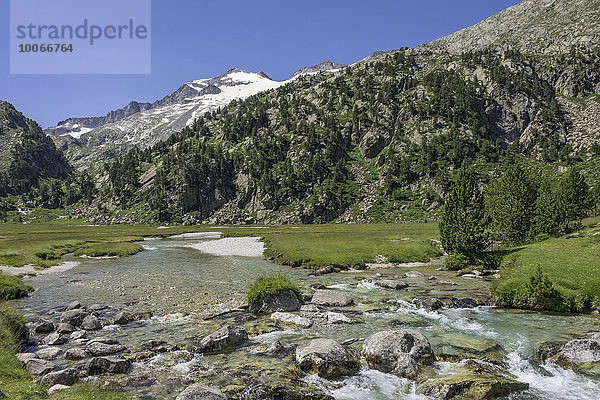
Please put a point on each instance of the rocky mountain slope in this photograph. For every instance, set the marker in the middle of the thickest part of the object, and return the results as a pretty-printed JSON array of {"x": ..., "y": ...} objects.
[
  {"x": 86, "y": 141},
  {"x": 532, "y": 26},
  {"x": 378, "y": 140},
  {"x": 26, "y": 154}
]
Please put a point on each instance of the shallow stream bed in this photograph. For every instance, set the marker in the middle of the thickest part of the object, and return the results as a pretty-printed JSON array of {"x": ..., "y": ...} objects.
[{"x": 173, "y": 286}]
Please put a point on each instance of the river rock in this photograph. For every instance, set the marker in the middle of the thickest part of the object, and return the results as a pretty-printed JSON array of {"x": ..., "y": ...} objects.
[
  {"x": 401, "y": 352},
  {"x": 105, "y": 340},
  {"x": 104, "y": 349},
  {"x": 109, "y": 364},
  {"x": 55, "y": 339},
  {"x": 63, "y": 327},
  {"x": 472, "y": 380},
  {"x": 66, "y": 377},
  {"x": 312, "y": 308},
  {"x": 23, "y": 358},
  {"x": 78, "y": 335},
  {"x": 413, "y": 274},
  {"x": 91, "y": 323},
  {"x": 390, "y": 284},
  {"x": 97, "y": 307},
  {"x": 75, "y": 354},
  {"x": 73, "y": 306},
  {"x": 327, "y": 358},
  {"x": 291, "y": 319},
  {"x": 286, "y": 300},
  {"x": 307, "y": 297},
  {"x": 275, "y": 348},
  {"x": 463, "y": 303},
  {"x": 429, "y": 304},
  {"x": 43, "y": 327},
  {"x": 35, "y": 366},
  {"x": 74, "y": 317},
  {"x": 331, "y": 298},
  {"x": 337, "y": 318},
  {"x": 122, "y": 318},
  {"x": 48, "y": 352},
  {"x": 199, "y": 391},
  {"x": 579, "y": 354},
  {"x": 223, "y": 339}
]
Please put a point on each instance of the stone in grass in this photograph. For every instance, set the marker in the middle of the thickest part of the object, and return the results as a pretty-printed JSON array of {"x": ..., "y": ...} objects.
[
  {"x": 400, "y": 352},
  {"x": 57, "y": 388},
  {"x": 223, "y": 339},
  {"x": 109, "y": 364},
  {"x": 327, "y": 358},
  {"x": 38, "y": 367},
  {"x": 199, "y": 391},
  {"x": 67, "y": 377},
  {"x": 331, "y": 298}
]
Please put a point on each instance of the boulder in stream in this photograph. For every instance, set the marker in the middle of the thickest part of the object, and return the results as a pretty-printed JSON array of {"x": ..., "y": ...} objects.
[
  {"x": 286, "y": 300},
  {"x": 392, "y": 284},
  {"x": 331, "y": 298},
  {"x": 122, "y": 318},
  {"x": 67, "y": 377},
  {"x": 109, "y": 364},
  {"x": 74, "y": 317},
  {"x": 580, "y": 354},
  {"x": 327, "y": 358},
  {"x": 199, "y": 391},
  {"x": 91, "y": 323},
  {"x": 293, "y": 319},
  {"x": 429, "y": 304},
  {"x": 223, "y": 339},
  {"x": 43, "y": 327},
  {"x": 55, "y": 339},
  {"x": 96, "y": 348},
  {"x": 400, "y": 352},
  {"x": 75, "y": 354},
  {"x": 38, "y": 367}
]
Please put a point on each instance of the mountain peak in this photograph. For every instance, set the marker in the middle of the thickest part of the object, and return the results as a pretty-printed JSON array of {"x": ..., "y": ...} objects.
[{"x": 324, "y": 66}]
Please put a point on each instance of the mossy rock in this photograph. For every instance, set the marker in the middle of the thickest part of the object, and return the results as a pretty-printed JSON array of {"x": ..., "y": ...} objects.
[{"x": 471, "y": 387}]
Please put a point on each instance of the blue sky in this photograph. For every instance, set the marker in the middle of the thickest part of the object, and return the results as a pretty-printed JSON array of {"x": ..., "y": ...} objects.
[{"x": 194, "y": 39}]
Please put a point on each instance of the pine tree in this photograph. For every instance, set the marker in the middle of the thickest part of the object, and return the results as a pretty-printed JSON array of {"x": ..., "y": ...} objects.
[
  {"x": 510, "y": 203},
  {"x": 462, "y": 226},
  {"x": 573, "y": 198}
]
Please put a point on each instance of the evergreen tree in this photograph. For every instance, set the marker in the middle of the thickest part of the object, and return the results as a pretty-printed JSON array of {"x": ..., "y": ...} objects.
[
  {"x": 511, "y": 201},
  {"x": 462, "y": 226},
  {"x": 573, "y": 198}
]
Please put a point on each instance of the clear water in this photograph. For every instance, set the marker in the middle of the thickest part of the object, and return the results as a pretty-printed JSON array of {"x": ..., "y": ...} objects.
[{"x": 177, "y": 286}]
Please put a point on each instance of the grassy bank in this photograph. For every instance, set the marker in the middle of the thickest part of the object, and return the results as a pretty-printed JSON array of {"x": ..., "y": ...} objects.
[
  {"x": 347, "y": 246},
  {"x": 17, "y": 384},
  {"x": 570, "y": 269},
  {"x": 119, "y": 249}
]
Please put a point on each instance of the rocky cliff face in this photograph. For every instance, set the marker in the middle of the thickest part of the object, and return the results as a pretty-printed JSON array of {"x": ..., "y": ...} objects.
[{"x": 26, "y": 154}]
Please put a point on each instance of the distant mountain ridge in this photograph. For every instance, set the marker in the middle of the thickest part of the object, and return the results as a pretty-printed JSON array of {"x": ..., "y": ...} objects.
[{"x": 89, "y": 139}]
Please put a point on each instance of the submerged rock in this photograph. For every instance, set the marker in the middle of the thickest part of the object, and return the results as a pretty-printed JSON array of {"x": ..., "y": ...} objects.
[
  {"x": 331, "y": 298},
  {"x": 400, "y": 352},
  {"x": 199, "y": 391},
  {"x": 327, "y": 358},
  {"x": 67, "y": 377},
  {"x": 122, "y": 318},
  {"x": 109, "y": 364},
  {"x": 223, "y": 339},
  {"x": 428, "y": 304},
  {"x": 286, "y": 300},
  {"x": 472, "y": 380},
  {"x": 390, "y": 284},
  {"x": 290, "y": 318}
]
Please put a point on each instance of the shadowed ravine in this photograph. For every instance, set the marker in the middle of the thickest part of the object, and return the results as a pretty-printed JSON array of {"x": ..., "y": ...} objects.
[{"x": 171, "y": 288}]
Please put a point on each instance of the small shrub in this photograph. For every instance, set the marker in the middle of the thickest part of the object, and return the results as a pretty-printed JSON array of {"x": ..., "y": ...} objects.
[
  {"x": 267, "y": 285},
  {"x": 457, "y": 262},
  {"x": 12, "y": 287}
]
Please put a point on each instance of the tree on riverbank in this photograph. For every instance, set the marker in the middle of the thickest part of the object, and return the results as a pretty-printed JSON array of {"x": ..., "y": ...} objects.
[{"x": 462, "y": 226}]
